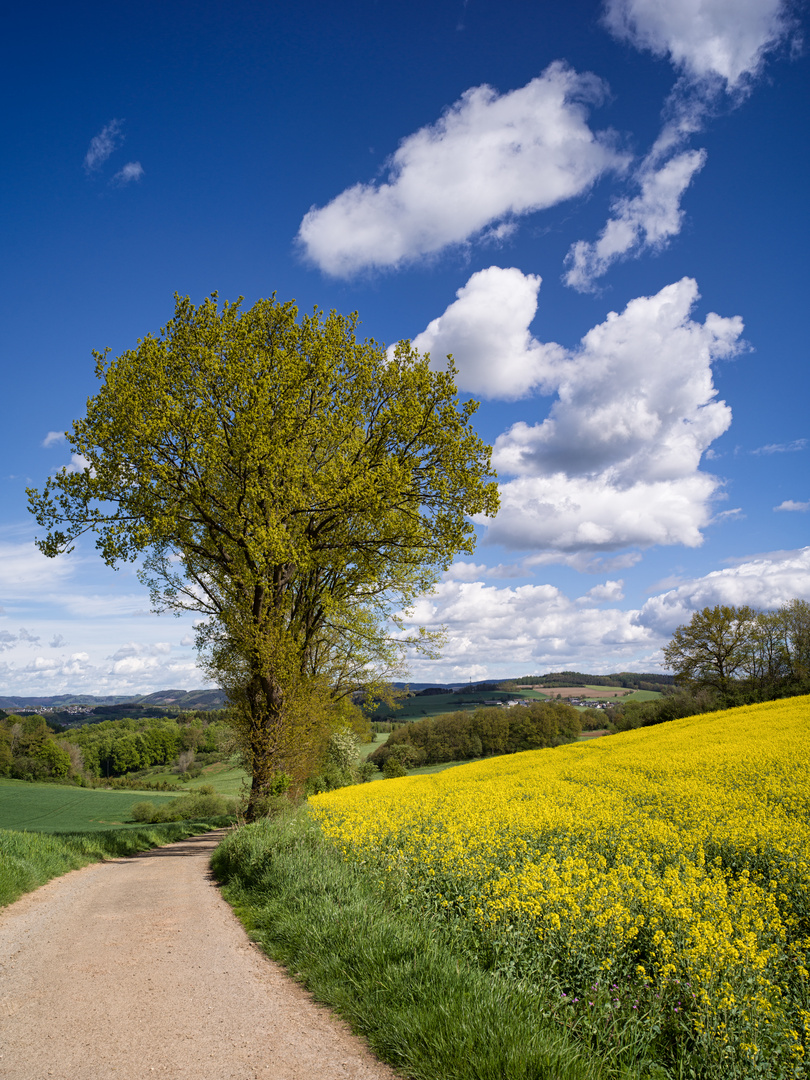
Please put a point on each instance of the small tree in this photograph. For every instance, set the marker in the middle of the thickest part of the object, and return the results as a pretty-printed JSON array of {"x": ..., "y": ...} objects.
[{"x": 293, "y": 485}]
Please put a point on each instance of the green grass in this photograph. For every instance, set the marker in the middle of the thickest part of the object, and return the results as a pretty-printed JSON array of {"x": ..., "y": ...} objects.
[
  {"x": 369, "y": 747},
  {"x": 28, "y": 860},
  {"x": 52, "y": 808},
  {"x": 395, "y": 975},
  {"x": 643, "y": 695}
]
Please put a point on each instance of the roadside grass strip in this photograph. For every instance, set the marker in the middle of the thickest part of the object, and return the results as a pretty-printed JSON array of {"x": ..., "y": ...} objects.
[
  {"x": 649, "y": 891},
  {"x": 28, "y": 860},
  {"x": 395, "y": 974}
]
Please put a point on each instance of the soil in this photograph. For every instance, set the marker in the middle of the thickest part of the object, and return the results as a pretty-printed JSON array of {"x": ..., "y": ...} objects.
[{"x": 137, "y": 968}]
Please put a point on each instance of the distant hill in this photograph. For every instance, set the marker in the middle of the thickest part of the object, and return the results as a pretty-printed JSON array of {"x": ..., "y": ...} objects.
[
  {"x": 215, "y": 699},
  {"x": 174, "y": 699}
]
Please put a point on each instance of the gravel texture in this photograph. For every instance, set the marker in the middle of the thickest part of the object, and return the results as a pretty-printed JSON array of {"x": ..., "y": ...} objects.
[{"x": 137, "y": 968}]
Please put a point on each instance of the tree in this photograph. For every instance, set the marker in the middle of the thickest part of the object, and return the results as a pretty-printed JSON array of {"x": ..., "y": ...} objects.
[
  {"x": 712, "y": 649},
  {"x": 294, "y": 485}
]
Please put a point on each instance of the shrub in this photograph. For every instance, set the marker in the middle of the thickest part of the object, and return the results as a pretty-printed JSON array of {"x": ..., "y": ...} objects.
[{"x": 203, "y": 804}]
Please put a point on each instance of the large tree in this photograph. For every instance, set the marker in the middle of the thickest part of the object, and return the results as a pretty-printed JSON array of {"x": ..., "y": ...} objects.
[
  {"x": 294, "y": 485},
  {"x": 712, "y": 649}
]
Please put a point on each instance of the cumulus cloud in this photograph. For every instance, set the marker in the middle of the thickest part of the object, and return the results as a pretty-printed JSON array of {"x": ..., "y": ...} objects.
[
  {"x": 616, "y": 461},
  {"x": 103, "y": 145},
  {"x": 7, "y": 640},
  {"x": 132, "y": 171},
  {"x": 704, "y": 39},
  {"x": 57, "y": 642},
  {"x": 601, "y": 594},
  {"x": 763, "y": 581},
  {"x": 789, "y": 504},
  {"x": 646, "y": 222},
  {"x": 490, "y": 158},
  {"x": 487, "y": 330},
  {"x": 527, "y": 628},
  {"x": 53, "y": 437}
]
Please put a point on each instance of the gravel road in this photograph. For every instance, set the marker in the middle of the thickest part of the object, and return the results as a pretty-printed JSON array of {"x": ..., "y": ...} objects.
[{"x": 137, "y": 968}]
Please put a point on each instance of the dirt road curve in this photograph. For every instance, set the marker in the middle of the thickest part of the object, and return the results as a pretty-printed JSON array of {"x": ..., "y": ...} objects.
[{"x": 137, "y": 968}]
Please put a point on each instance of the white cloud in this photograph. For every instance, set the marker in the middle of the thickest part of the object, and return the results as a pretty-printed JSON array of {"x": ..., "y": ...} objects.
[
  {"x": 102, "y": 145},
  {"x": 53, "y": 437},
  {"x": 57, "y": 642},
  {"x": 789, "y": 504},
  {"x": 24, "y": 572},
  {"x": 763, "y": 581},
  {"x": 600, "y": 594},
  {"x": 616, "y": 461},
  {"x": 647, "y": 221},
  {"x": 137, "y": 648},
  {"x": 490, "y": 157},
  {"x": 526, "y": 628},
  {"x": 716, "y": 45},
  {"x": 132, "y": 171},
  {"x": 704, "y": 39},
  {"x": 78, "y": 463},
  {"x": 487, "y": 331},
  {"x": 468, "y": 571},
  {"x": 782, "y": 448}
]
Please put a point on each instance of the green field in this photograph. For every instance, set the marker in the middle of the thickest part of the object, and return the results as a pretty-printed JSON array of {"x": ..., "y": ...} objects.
[
  {"x": 643, "y": 695},
  {"x": 224, "y": 778},
  {"x": 51, "y": 808},
  {"x": 417, "y": 708}
]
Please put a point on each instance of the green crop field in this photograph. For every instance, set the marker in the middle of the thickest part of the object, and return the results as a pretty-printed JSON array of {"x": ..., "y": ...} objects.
[
  {"x": 417, "y": 708},
  {"x": 51, "y": 808}
]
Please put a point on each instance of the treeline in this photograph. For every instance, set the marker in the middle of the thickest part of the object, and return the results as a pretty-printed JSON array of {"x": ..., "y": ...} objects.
[
  {"x": 31, "y": 750},
  {"x": 630, "y": 680},
  {"x": 463, "y": 736}
]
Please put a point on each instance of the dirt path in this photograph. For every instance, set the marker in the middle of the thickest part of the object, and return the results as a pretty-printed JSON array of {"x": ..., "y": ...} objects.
[{"x": 137, "y": 968}]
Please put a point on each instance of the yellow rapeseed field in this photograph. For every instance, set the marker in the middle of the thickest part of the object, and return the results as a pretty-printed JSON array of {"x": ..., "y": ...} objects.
[{"x": 655, "y": 882}]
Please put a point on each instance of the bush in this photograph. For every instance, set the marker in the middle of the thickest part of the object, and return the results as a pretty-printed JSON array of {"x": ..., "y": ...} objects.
[
  {"x": 393, "y": 768},
  {"x": 195, "y": 805}
]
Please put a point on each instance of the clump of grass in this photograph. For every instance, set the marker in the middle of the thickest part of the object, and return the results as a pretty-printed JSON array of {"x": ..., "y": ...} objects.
[
  {"x": 393, "y": 974},
  {"x": 28, "y": 860}
]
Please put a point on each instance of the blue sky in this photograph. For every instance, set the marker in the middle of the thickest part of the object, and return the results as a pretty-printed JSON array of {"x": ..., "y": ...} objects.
[{"x": 598, "y": 208}]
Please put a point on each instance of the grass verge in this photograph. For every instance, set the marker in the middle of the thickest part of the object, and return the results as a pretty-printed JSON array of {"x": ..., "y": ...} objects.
[
  {"x": 393, "y": 976},
  {"x": 28, "y": 860}
]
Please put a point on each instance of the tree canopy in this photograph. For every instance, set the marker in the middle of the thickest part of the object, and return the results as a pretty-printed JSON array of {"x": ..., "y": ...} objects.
[{"x": 294, "y": 485}]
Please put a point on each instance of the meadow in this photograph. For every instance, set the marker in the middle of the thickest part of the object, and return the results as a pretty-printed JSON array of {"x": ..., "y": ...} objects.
[{"x": 650, "y": 888}]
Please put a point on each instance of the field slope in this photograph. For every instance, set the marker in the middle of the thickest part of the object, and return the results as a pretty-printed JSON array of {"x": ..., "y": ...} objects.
[{"x": 652, "y": 885}]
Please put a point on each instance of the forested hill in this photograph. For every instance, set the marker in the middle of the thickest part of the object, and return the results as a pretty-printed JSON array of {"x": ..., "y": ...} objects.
[{"x": 174, "y": 699}]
